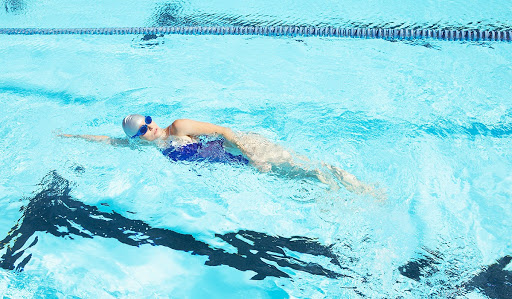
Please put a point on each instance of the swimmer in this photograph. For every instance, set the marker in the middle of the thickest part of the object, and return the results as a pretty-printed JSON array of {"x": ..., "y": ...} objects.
[{"x": 181, "y": 141}]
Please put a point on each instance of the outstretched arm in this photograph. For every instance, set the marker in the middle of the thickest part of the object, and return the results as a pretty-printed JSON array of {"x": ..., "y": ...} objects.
[{"x": 99, "y": 138}]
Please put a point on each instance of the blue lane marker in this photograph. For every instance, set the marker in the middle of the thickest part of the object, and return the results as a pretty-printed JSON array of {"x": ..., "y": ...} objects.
[{"x": 375, "y": 33}]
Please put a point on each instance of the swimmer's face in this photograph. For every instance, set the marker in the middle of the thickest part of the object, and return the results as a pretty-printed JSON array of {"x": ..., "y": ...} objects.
[{"x": 154, "y": 132}]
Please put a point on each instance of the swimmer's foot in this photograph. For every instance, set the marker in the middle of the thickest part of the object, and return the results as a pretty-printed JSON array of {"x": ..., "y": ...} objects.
[
  {"x": 261, "y": 166},
  {"x": 352, "y": 184},
  {"x": 380, "y": 194},
  {"x": 349, "y": 181},
  {"x": 328, "y": 180}
]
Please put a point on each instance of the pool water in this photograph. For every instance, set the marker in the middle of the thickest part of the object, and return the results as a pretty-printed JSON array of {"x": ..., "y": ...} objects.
[{"x": 429, "y": 121}]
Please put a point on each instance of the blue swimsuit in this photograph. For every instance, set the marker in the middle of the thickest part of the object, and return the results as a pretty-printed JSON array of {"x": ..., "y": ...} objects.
[{"x": 211, "y": 151}]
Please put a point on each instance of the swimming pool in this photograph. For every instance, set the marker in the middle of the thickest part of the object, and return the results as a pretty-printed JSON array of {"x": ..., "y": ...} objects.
[{"x": 430, "y": 121}]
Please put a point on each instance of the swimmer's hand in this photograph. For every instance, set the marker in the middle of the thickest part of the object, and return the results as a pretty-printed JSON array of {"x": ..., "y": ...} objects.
[{"x": 380, "y": 194}]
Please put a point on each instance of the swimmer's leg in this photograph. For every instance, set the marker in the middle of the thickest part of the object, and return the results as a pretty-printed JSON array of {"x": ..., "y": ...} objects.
[{"x": 269, "y": 157}]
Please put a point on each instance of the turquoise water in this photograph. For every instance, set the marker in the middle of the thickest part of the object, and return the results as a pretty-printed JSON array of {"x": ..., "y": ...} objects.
[
  {"x": 429, "y": 122},
  {"x": 474, "y": 14}
]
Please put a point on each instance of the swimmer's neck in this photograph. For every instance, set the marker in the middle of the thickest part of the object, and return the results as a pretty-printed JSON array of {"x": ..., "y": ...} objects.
[{"x": 167, "y": 133}]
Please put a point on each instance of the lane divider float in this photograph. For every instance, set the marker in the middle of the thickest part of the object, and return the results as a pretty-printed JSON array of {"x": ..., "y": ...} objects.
[{"x": 294, "y": 31}]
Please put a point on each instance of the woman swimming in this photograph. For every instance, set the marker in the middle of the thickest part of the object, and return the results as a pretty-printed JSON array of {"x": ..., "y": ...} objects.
[{"x": 182, "y": 141}]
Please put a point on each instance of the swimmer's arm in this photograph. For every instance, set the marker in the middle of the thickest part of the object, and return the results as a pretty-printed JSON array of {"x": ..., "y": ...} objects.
[
  {"x": 188, "y": 127},
  {"x": 99, "y": 138}
]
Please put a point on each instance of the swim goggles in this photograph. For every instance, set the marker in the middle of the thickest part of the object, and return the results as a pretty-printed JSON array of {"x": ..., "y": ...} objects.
[{"x": 144, "y": 128}]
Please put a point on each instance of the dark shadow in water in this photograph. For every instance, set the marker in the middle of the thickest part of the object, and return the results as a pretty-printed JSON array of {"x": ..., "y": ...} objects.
[
  {"x": 14, "y": 6},
  {"x": 493, "y": 281},
  {"x": 424, "y": 266},
  {"x": 54, "y": 211},
  {"x": 62, "y": 97}
]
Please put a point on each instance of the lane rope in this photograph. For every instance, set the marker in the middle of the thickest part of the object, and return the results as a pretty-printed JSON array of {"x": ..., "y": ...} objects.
[{"x": 294, "y": 31}]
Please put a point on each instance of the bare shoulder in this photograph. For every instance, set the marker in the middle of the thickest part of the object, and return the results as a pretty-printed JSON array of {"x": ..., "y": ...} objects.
[
  {"x": 183, "y": 123},
  {"x": 178, "y": 124}
]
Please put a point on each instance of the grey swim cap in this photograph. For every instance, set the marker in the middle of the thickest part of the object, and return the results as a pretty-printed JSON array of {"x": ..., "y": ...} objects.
[{"x": 132, "y": 124}]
